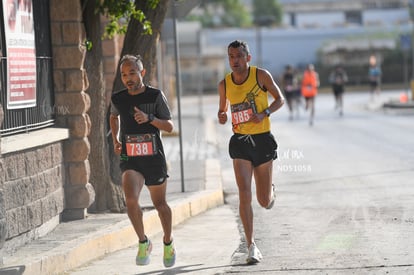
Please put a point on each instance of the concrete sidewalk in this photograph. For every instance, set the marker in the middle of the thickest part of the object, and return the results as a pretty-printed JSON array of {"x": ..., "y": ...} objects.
[{"x": 72, "y": 244}]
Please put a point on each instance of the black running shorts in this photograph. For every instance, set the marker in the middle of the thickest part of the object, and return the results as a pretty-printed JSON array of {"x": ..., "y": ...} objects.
[
  {"x": 258, "y": 149},
  {"x": 153, "y": 168}
]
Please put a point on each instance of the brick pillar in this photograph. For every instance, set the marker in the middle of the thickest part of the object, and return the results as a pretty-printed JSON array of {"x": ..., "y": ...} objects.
[
  {"x": 70, "y": 83},
  {"x": 2, "y": 206}
]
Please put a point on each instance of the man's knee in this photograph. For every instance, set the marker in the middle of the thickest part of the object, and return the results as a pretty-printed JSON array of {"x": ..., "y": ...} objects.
[
  {"x": 162, "y": 206},
  {"x": 264, "y": 201},
  {"x": 245, "y": 197},
  {"x": 131, "y": 201}
]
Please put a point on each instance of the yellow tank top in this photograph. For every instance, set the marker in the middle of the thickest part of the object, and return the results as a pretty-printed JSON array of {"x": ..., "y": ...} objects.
[{"x": 245, "y": 99}]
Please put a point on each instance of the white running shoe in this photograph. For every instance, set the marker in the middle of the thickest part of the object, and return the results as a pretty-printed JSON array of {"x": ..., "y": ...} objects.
[{"x": 254, "y": 254}]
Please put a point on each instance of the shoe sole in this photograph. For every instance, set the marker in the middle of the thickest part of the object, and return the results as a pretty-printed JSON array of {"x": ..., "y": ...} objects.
[
  {"x": 170, "y": 264},
  {"x": 251, "y": 261},
  {"x": 143, "y": 263}
]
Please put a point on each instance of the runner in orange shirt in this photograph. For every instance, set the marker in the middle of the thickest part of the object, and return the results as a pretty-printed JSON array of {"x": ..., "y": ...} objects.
[{"x": 310, "y": 84}]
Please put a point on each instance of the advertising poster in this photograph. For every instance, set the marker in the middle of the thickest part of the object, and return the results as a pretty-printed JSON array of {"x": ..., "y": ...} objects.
[{"x": 21, "y": 53}]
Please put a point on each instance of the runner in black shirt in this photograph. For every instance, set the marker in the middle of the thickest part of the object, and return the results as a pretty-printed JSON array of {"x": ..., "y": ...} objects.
[{"x": 138, "y": 113}]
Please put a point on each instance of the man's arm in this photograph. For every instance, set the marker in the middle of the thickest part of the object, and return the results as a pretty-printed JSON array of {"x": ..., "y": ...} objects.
[
  {"x": 266, "y": 80},
  {"x": 223, "y": 103},
  {"x": 163, "y": 121},
  {"x": 114, "y": 124}
]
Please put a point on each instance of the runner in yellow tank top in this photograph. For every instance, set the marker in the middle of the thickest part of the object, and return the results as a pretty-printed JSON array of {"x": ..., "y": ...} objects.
[
  {"x": 246, "y": 99},
  {"x": 252, "y": 147}
]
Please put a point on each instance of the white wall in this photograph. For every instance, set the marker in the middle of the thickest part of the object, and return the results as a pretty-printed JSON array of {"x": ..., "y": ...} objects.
[
  {"x": 386, "y": 17},
  {"x": 320, "y": 19}
]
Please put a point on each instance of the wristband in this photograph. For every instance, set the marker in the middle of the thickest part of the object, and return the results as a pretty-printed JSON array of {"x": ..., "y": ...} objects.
[{"x": 150, "y": 118}]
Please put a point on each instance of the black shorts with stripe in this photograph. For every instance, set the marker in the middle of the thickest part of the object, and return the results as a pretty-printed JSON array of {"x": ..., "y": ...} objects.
[{"x": 258, "y": 148}]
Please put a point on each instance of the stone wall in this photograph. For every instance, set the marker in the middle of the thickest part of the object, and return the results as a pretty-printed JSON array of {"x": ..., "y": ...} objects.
[
  {"x": 32, "y": 190},
  {"x": 70, "y": 83},
  {"x": 2, "y": 206},
  {"x": 47, "y": 181}
]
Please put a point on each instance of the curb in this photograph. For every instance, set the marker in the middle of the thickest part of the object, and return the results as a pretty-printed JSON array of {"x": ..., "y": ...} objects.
[
  {"x": 72, "y": 254},
  {"x": 398, "y": 108},
  {"x": 57, "y": 256}
]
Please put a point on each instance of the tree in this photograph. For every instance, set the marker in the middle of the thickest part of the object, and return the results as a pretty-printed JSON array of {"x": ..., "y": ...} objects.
[
  {"x": 138, "y": 42},
  {"x": 144, "y": 21},
  {"x": 235, "y": 15},
  {"x": 222, "y": 13},
  {"x": 120, "y": 13},
  {"x": 267, "y": 12},
  {"x": 108, "y": 195}
]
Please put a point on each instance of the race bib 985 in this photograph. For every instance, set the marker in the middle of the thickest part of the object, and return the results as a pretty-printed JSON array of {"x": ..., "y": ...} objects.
[{"x": 241, "y": 113}]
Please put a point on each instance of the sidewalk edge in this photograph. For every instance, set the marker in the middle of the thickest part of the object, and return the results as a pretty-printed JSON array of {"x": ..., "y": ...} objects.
[{"x": 121, "y": 235}]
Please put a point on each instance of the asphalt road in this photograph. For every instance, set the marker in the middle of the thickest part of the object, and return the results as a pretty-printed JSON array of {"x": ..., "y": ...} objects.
[
  {"x": 345, "y": 193},
  {"x": 345, "y": 188}
]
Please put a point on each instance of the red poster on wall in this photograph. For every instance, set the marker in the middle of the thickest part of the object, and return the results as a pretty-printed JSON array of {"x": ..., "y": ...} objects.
[{"x": 21, "y": 53}]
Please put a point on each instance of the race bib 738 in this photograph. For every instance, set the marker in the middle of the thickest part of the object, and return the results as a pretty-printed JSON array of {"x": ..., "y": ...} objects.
[{"x": 140, "y": 145}]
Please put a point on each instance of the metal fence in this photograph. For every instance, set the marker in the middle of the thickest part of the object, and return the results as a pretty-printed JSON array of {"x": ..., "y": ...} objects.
[{"x": 42, "y": 115}]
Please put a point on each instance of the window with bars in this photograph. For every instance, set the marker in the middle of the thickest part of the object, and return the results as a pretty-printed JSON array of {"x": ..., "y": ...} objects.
[{"x": 42, "y": 114}]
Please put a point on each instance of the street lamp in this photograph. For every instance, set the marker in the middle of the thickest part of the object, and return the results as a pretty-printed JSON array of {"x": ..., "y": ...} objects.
[
  {"x": 261, "y": 21},
  {"x": 178, "y": 9}
]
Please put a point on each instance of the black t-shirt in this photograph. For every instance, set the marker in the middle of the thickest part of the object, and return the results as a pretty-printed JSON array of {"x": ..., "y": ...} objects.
[
  {"x": 287, "y": 79},
  {"x": 151, "y": 101}
]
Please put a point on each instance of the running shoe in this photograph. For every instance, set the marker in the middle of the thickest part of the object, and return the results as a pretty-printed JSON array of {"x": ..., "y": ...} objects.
[
  {"x": 254, "y": 254},
  {"x": 169, "y": 255},
  {"x": 270, "y": 206},
  {"x": 144, "y": 252}
]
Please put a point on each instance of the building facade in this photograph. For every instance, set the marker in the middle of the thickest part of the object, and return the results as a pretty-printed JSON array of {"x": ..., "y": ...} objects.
[
  {"x": 337, "y": 13},
  {"x": 44, "y": 166},
  {"x": 311, "y": 29}
]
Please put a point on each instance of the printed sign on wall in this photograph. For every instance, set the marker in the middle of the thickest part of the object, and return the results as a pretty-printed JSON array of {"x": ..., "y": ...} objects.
[{"x": 21, "y": 53}]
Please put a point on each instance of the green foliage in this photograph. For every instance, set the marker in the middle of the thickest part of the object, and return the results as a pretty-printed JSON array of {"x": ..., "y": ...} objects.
[
  {"x": 120, "y": 12},
  {"x": 228, "y": 13},
  {"x": 88, "y": 44},
  {"x": 235, "y": 15},
  {"x": 267, "y": 12}
]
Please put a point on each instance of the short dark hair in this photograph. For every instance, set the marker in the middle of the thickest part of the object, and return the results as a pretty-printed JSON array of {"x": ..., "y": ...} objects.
[
  {"x": 132, "y": 58},
  {"x": 239, "y": 44}
]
